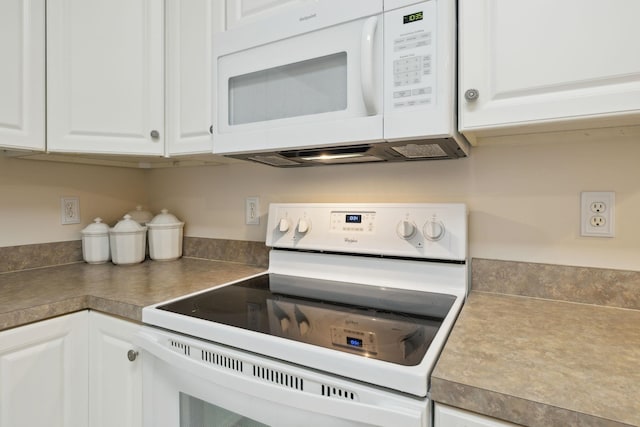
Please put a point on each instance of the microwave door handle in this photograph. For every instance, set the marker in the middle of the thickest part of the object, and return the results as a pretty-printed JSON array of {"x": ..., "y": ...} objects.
[{"x": 366, "y": 64}]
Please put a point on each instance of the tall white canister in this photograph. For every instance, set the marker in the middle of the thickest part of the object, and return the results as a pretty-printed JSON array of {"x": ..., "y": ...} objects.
[
  {"x": 128, "y": 240},
  {"x": 165, "y": 237}
]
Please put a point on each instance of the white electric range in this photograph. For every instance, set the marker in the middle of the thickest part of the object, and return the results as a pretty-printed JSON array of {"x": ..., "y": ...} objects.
[{"x": 344, "y": 328}]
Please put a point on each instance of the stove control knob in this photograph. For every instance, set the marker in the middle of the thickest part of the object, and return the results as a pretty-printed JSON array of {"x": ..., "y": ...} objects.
[
  {"x": 433, "y": 230},
  {"x": 304, "y": 327},
  {"x": 406, "y": 229},
  {"x": 285, "y": 323},
  {"x": 283, "y": 225},
  {"x": 304, "y": 225}
]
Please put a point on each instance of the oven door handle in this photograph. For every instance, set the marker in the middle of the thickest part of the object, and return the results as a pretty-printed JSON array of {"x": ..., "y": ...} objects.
[{"x": 348, "y": 410}]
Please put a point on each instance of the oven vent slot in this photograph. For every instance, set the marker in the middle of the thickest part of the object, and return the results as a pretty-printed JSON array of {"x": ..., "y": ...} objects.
[
  {"x": 338, "y": 393},
  {"x": 222, "y": 361},
  {"x": 181, "y": 347},
  {"x": 276, "y": 377}
]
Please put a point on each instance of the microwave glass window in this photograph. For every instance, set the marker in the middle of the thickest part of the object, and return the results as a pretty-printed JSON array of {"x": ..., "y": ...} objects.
[
  {"x": 314, "y": 86},
  {"x": 196, "y": 412}
]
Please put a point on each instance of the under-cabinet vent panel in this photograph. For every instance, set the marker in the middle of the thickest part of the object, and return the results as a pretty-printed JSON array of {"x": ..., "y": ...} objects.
[
  {"x": 276, "y": 377},
  {"x": 338, "y": 393},
  {"x": 180, "y": 347},
  {"x": 222, "y": 361}
]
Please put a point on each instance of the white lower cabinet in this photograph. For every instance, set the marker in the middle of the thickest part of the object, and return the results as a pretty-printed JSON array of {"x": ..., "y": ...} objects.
[
  {"x": 446, "y": 416},
  {"x": 71, "y": 371},
  {"x": 44, "y": 374},
  {"x": 115, "y": 381}
]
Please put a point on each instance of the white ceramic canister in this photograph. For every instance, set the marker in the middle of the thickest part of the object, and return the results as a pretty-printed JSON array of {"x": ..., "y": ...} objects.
[
  {"x": 140, "y": 216},
  {"x": 128, "y": 240},
  {"x": 95, "y": 242},
  {"x": 165, "y": 237}
]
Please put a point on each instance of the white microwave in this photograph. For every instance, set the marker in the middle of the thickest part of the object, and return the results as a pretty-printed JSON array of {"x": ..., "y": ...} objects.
[{"x": 332, "y": 81}]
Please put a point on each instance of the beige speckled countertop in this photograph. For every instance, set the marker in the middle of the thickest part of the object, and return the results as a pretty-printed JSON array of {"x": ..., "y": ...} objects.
[
  {"x": 33, "y": 295},
  {"x": 523, "y": 359},
  {"x": 541, "y": 362}
]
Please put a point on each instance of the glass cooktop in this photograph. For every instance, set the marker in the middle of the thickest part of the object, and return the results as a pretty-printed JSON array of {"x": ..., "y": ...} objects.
[{"x": 393, "y": 325}]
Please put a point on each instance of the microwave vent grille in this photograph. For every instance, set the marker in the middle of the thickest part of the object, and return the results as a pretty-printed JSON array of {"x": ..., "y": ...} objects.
[{"x": 420, "y": 151}]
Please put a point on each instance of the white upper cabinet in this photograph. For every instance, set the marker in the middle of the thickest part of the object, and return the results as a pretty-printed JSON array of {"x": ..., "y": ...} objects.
[
  {"x": 242, "y": 12},
  {"x": 548, "y": 65},
  {"x": 22, "y": 74},
  {"x": 105, "y": 76},
  {"x": 191, "y": 26}
]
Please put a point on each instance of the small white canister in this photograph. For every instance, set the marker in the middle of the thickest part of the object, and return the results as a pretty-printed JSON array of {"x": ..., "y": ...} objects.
[
  {"x": 165, "y": 237},
  {"x": 140, "y": 216},
  {"x": 128, "y": 240},
  {"x": 95, "y": 242}
]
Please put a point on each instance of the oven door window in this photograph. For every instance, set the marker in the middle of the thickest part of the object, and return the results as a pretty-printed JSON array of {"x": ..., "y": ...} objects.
[{"x": 196, "y": 412}]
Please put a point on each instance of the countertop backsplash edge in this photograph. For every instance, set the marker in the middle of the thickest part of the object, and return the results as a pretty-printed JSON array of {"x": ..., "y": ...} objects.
[{"x": 587, "y": 285}]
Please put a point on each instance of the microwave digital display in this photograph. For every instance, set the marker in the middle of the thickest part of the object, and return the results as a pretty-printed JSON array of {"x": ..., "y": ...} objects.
[
  {"x": 353, "y": 219},
  {"x": 412, "y": 17}
]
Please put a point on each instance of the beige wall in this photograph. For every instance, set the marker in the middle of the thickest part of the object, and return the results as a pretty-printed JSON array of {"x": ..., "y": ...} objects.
[
  {"x": 523, "y": 198},
  {"x": 30, "y": 193}
]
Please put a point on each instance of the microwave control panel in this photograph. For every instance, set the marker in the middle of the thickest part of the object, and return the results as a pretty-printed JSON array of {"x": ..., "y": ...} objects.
[{"x": 411, "y": 45}]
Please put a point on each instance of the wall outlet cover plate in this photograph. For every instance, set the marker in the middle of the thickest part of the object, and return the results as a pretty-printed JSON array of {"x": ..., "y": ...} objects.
[{"x": 597, "y": 213}]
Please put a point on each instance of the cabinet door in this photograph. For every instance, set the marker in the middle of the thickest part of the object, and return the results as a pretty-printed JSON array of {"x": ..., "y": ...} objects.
[
  {"x": 115, "y": 382},
  {"x": 105, "y": 76},
  {"x": 44, "y": 374},
  {"x": 545, "y": 61},
  {"x": 22, "y": 104},
  {"x": 445, "y": 416},
  {"x": 242, "y": 12},
  {"x": 191, "y": 27}
]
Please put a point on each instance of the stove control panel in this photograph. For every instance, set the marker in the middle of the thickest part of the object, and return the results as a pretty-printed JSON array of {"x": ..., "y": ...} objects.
[
  {"x": 349, "y": 222},
  {"x": 422, "y": 230}
]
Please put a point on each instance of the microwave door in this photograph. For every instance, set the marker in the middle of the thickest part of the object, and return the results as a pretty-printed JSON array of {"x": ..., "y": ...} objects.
[{"x": 320, "y": 88}]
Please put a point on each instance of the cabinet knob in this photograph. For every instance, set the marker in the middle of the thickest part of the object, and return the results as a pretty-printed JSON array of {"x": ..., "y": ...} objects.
[
  {"x": 155, "y": 134},
  {"x": 132, "y": 355},
  {"x": 471, "y": 95},
  {"x": 211, "y": 129}
]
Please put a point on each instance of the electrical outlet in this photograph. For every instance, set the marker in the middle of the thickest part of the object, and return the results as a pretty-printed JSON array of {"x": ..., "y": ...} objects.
[
  {"x": 70, "y": 210},
  {"x": 597, "y": 213},
  {"x": 252, "y": 210}
]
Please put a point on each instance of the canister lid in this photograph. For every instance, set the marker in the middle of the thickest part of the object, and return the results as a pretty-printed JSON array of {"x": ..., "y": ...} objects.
[
  {"x": 141, "y": 216},
  {"x": 127, "y": 225},
  {"x": 96, "y": 228},
  {"x": 165, "y": 219}
]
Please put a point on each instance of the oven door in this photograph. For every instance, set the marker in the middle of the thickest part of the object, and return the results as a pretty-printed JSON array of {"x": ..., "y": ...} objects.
[
  {"x": 310, "y": 77},
  {"x": 189, "y": 382}
]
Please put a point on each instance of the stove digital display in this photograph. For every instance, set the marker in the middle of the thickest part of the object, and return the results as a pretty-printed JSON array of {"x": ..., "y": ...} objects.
[
  {"x": 353, "y": 219},
  {"x": 354, "y": 342}
]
